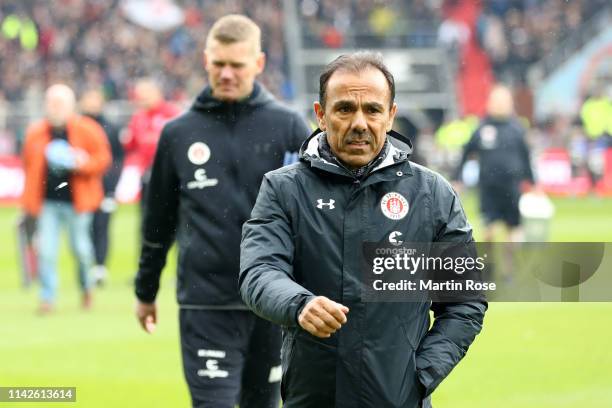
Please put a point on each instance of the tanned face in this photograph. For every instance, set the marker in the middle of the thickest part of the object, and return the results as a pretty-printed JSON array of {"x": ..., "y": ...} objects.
[{"x": 357, "y": 115}]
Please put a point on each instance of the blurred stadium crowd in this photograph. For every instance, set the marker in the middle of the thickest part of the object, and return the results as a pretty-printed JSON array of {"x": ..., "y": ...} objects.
[
  {"x": 370, "y": 23},
  {"x": 91, "y": 43},
  {"x": 94, "y": 44},
  {"x": 516, "y": 34}
]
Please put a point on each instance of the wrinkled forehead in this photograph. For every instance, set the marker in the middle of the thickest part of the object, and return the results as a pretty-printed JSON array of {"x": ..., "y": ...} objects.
[{"x": 366, "y": 85}]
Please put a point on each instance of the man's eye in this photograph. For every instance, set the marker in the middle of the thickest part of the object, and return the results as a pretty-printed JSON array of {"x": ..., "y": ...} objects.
[
  {"x": 374, "y": 110},
  {"x": 344, "y": 109}
]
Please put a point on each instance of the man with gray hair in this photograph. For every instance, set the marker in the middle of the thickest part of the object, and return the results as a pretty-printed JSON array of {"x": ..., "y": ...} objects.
[
  {"x": 204, "y": 182},
  {"x": 64, "y": 157},
  {"x": 302, "y": 254}
]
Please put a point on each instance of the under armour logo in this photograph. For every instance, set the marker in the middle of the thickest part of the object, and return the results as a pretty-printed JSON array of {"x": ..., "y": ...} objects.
[{"x": 329, "y": 205}]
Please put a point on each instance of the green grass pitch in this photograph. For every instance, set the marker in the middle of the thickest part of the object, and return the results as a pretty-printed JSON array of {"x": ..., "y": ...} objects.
[{"x": 529, "y": 355}]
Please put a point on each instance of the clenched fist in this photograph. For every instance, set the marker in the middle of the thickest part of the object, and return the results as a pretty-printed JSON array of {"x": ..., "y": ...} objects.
[{"x": 322, "y": 317}]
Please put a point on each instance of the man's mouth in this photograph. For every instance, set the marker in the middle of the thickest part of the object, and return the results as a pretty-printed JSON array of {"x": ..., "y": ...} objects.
[{"x": 359, "y": 143}]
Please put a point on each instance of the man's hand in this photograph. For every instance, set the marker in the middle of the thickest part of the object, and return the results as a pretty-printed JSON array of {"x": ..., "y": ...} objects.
[
  {"x": 147, "y": 315},
  {"x": 322, "y": 317}
]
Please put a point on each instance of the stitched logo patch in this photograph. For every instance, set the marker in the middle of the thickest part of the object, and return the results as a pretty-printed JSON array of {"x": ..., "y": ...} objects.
[
  {"x": 394, "y": 206},
  {"x": 198, "y": 153}
]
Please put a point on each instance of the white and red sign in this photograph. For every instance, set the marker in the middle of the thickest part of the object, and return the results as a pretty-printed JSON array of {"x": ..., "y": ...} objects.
[{"x": 11, "y": 174}]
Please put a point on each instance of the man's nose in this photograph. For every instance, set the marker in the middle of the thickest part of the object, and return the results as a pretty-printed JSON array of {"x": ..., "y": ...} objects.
[
  {"x": 226, "y": 72},
  {"x": 359, "y": 125}
]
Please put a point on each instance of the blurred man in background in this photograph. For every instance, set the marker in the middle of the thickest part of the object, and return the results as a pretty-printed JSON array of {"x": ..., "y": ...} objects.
[
  {"x": 596, "y": 118},
  {"x": 505, "y": 169},
  {"x": 65, "y": 157},
  {"x": 204, "y": 181},
  {"x": 145, "y": 127},
  {"x": 92, "y": 105}
]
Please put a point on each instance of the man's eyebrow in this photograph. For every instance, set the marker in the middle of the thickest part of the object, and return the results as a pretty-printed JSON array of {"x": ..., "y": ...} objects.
[
  {"x": 344, "y": 103},
  {"x": 375, "y": 105}
]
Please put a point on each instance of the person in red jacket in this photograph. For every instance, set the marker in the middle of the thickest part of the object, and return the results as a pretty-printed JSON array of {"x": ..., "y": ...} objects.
[
  {"x": 146, "y": 124},
  {"x": 64, "y": 157}
]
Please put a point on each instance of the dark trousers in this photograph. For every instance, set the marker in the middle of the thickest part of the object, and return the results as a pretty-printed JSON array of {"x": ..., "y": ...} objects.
[
  {"x": 230, "y": 357},
  {"x": 100, "y": 223}
]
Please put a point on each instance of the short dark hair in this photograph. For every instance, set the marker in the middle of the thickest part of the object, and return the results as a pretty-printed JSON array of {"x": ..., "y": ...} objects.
[{"x": 356, "y": 62}]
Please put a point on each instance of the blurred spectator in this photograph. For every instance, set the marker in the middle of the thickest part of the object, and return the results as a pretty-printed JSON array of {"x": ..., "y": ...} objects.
[
  {"x": 450, "y": 138},
  {"x": 64, "y": 158},
  {"x": 146, "y": 125},
  {"x": 596, "y": 115},
  {"x": 92, "y": 105},
  {"x": 503, "y": 155},
  {"x": 22, "y": 28}
]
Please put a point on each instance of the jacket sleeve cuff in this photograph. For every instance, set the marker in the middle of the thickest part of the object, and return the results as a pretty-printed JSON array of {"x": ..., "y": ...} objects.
[
  {"x": 429, "y": 379},
  {"x": 145, "y": 295}
]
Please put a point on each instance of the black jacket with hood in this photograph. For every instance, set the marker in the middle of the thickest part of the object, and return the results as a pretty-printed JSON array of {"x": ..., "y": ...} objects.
[
  {"x": 297, "y": 246},
  {"x": 205, "y": 178},
  {"x": 502, "y": 153}
]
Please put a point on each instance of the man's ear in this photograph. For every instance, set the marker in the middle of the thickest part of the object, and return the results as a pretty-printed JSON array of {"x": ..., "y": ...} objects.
[
  {"x": 320, "y": 112},
  {"x": 204, "y": 59},
  {"x": 392, "y": 113},
  {"x": 261, "y": 62}
]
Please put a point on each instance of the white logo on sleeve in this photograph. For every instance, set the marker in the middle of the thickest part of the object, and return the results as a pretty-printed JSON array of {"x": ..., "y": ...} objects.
[
  {"x": 394, "y": 206},
  {"x": 198, "y": 153},
  {"x": 212, "y": 364},
  {"x": 330, "y": 204},
  {"x": 393, "y": 238}
]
